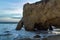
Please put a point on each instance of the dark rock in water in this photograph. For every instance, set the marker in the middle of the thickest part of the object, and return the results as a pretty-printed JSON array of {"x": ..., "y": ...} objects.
[
  {"x": 37, "y": 36},
  {"x": 6, "y": 31},
  {"x": 20, "y": 25},
  {"x": 50, "y": 28},
  {"x": 5, "y": 34}
]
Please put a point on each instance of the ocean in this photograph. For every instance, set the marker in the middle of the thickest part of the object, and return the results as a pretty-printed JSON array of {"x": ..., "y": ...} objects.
[
  {"x": 5, "y": 28},
  {"x": 8, "y": 32}
]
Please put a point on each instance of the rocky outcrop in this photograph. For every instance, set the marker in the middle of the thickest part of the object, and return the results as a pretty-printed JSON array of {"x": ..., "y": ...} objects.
[
  {"x": 20, "y": 24},
  {"x": 45, "y": 13}
]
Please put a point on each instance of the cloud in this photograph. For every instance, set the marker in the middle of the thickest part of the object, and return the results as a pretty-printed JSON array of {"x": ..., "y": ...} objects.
[
  {"x": 11, "y": 10},
  {"x": 13, "y": 7},
  {"x": 10, "y": 7},
  {"x": 7, "y": 19}
]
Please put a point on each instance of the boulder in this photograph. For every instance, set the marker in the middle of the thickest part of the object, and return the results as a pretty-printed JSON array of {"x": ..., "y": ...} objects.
[
  {"x": 37, "y": 36},
  {"x": 41, "y": 15}
]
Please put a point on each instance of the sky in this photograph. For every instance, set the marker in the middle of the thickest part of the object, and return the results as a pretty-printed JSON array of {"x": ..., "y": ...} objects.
[{"x": 12, "y": 10}]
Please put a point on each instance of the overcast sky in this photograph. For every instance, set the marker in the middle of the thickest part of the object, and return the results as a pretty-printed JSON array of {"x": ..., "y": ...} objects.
[{"x": 12, "y": 9}]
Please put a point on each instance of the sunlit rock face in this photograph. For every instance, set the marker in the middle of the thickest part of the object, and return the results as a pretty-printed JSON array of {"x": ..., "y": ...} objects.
[{"x": 45, "y": 13}]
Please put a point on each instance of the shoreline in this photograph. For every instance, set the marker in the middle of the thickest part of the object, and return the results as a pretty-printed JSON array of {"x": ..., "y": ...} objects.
[{"x": 55, "y": 37}]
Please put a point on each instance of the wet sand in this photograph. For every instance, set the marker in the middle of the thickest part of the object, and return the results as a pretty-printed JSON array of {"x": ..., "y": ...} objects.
[{"x": 55, "y": 37}]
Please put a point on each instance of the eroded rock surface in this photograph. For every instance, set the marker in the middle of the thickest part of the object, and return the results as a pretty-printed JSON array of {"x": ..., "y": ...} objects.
[{"x": 45, "y": 12}]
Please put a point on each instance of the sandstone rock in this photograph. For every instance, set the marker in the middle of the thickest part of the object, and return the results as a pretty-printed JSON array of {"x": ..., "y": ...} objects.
[
  {"x": 20, "y": 24},
  {"x": 45, "y": 12}
]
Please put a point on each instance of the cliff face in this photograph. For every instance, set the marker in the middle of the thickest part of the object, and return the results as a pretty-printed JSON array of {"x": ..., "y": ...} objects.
[{"x": 45, "y": 13}]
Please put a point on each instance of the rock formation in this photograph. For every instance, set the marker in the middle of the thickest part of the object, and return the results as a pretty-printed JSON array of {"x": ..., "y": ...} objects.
[
  {"x": 45, "y": 13},
  {"x": 20, "y": 24}
]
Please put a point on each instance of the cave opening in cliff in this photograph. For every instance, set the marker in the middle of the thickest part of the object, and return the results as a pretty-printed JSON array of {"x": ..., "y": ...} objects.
[{"x": 38, "y": 26}]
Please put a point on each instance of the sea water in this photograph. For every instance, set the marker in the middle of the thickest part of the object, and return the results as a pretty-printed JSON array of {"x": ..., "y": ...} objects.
[
  {"x": 8, "y": 32},
  {"x": 6, "y": 28}
]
